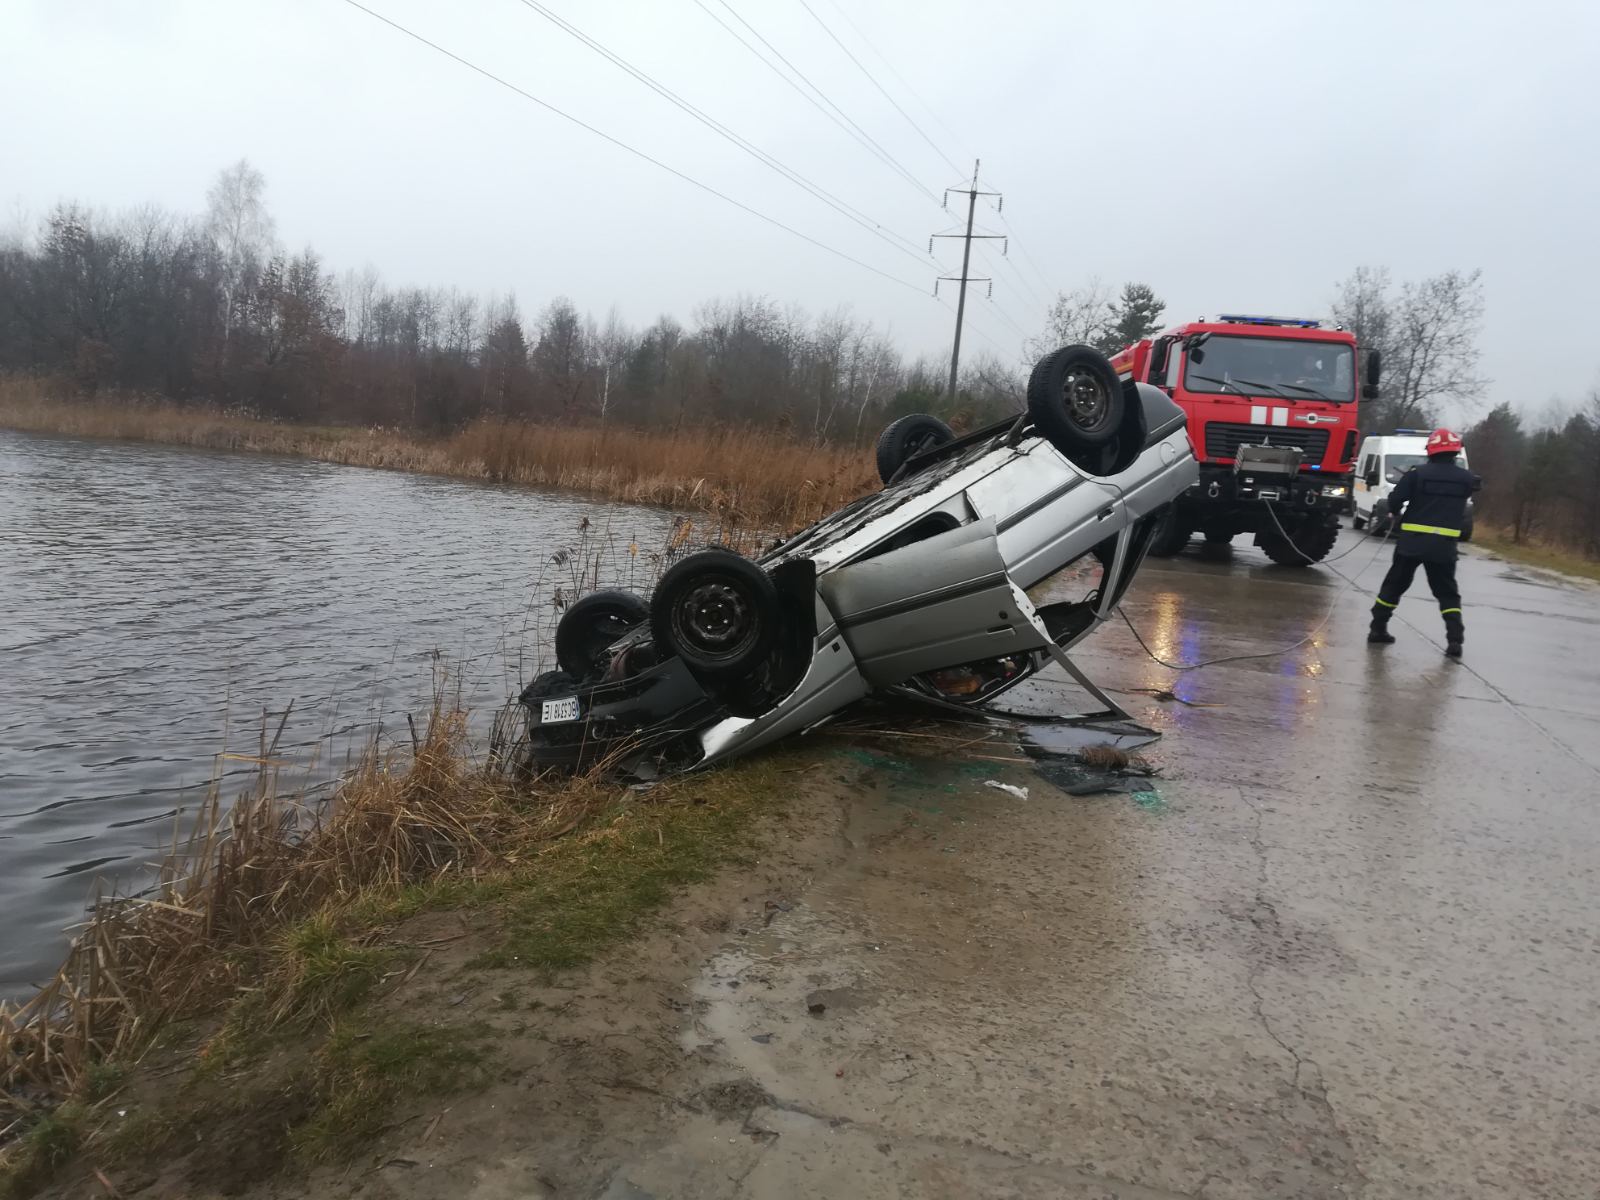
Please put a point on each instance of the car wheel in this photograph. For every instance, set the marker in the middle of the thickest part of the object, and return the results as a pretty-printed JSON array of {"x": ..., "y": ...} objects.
[
  {"x": 592, "y": 624},
  {"x": 905, "y": 438},
  {"x": 1075, "y": 399},
  {"x": 1358, "y": 522},
  {"x": 1466, "y": 531},
  {"x": 717, "y": 611},
  {"x": 1170, "y": 535},
  {"x": 1218, "y": 537}
]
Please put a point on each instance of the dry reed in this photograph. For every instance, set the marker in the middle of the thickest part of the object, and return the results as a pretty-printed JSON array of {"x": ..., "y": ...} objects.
[
  {"x": 249, "y": 870},
  {"x": 751, "y": 476}
]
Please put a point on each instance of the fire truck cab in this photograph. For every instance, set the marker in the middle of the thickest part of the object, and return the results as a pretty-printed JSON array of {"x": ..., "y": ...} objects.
[{"x": 1272, "y": 404}]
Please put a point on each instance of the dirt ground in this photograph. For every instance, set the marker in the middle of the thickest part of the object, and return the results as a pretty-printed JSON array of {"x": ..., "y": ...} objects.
[{"x": 1344, "y": 946}]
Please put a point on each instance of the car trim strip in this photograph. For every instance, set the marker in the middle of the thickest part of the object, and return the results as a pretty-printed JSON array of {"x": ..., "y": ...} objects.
[
  {"x": 954, "y": 591},
  {"x": 1049, "y": 498}
]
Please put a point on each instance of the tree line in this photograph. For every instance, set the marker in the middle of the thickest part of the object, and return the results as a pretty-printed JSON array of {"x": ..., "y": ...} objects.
[{"x": 211, "y": 308}]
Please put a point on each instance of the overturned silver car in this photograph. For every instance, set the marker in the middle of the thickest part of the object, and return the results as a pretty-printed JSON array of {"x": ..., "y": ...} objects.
[{"x": 918, "y": 589}]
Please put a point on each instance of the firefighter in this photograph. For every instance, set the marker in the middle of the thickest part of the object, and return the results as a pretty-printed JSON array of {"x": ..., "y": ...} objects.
[{"x": 1428, "y": 507}]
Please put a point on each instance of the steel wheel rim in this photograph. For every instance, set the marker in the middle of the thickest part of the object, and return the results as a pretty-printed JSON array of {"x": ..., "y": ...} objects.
[
  {"x": 715, "y": 617},
  {"x": 1087, "y": 400}
]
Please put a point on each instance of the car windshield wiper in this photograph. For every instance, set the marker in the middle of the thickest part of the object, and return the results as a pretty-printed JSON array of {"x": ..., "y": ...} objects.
[
  {"x": 1300, "y": 387},
  {"x": 1231, "y": 383}
]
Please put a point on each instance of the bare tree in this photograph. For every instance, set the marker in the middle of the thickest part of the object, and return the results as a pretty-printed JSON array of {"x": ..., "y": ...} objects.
[
  {"x": 1435, "y": 344},
  {"x": 1428, "y": 337},
  {"x": 1078, "y": 317},
  {"x": 240, "y": 228},
  {"x": 1362, "y": 306}
]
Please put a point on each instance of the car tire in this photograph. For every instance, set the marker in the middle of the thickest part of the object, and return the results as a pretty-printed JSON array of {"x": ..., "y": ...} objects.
[
  {"x": 1357, "y": 521},
  {"x": 1466, "y": 531},
  {"x": 1215, "y": 537},
  {"x": 1306, "y": 544},
  {"x": 592, "y": 624},
  {"x": 716, "y": 611},
  {"x": 1169, "y": 537},
  {"x": 1075, "y": 399},
  {"x": 907, "y": 437},
  {"x": 1378, "y": 526}
]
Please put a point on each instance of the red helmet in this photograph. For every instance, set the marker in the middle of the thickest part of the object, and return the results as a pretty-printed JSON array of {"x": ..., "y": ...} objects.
[{"x": 1443, "y": 441}]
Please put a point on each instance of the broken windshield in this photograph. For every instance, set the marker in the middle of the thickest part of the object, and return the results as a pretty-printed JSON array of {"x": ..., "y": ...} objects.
[{"x": 1272, "y": 367}]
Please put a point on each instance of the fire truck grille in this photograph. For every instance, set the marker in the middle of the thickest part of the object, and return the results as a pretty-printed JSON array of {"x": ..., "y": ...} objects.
[{"x": 1223, "y": 441}]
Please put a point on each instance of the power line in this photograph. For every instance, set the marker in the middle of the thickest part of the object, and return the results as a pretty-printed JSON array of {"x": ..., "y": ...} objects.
[
  {"x": 842, "y": 120},
  {"x": 867, "y": 42},
  {"x": 977, "y": 329},
  {"x": 1007, "y": 318},
  {"x": 873, "y": 80},
  {"x": 637, "y": 153},
  {"x": 1026, "y": 256},
  {"x": 1023, "y": 280},
  {"x": 821, "y": 193}
]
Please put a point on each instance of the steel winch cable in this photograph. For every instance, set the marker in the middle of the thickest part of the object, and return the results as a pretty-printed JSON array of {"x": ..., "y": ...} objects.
[{"x": 1333, "y": 605}]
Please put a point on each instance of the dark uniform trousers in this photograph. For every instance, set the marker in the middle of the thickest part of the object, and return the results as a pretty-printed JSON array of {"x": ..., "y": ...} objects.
[
  {"x": 1441, "y": 581},
  {"x": 1429, "y": 506}
]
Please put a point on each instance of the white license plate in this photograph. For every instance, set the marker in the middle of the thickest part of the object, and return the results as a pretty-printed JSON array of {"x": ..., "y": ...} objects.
[
  {"x": 553, "y": 712},
  {"x": 1270, "y": 494}
]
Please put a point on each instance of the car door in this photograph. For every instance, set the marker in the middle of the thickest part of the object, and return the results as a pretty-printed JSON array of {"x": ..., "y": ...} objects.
[
  {"x": 1046, "y": 512},
  {"x": 940, "y": 602}
]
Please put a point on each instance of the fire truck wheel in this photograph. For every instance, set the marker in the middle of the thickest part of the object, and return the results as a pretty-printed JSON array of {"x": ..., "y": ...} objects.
[
  {"x": 1169, "y": 537},
  {"x": 1075, "y": 399},
  {"x": 1306, "y": 544}
]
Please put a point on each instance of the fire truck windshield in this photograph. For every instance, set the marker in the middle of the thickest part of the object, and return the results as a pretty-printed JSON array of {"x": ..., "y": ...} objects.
[{"x": 1271, "y": 366}]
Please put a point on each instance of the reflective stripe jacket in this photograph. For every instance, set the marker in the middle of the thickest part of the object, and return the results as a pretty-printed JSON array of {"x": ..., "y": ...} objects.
[{"x": 1430, "y": 506}]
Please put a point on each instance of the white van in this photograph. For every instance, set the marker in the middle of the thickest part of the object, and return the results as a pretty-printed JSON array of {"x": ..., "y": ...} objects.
[{"x": 1384, "y": 459}]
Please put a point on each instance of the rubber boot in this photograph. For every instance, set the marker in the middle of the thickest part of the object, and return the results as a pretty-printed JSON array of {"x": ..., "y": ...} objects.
[
  {"x": 1379, "y": 634},
  {"x": 1454, "y": 634}
]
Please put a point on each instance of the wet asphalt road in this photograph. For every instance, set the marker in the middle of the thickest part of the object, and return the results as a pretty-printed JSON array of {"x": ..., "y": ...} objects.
[{"x": 1347, "y": 948}]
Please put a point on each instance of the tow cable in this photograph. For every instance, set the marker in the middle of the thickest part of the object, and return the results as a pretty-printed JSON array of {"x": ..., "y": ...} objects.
[{"x": 1282, "y": 650}]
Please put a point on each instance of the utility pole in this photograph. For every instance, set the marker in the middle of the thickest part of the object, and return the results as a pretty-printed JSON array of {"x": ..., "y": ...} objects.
[{"x": 966, "y": 259}]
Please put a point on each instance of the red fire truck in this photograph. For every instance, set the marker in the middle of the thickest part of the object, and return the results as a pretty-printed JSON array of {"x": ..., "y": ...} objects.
[{"x": 1272, "y": 405}]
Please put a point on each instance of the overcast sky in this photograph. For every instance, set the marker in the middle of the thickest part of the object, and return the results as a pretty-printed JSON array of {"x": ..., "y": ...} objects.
[{"x": 1234, "y": 156}]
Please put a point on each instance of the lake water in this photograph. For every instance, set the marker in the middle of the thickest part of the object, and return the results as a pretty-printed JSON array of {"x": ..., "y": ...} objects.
[{"x": 155, "y": 601}]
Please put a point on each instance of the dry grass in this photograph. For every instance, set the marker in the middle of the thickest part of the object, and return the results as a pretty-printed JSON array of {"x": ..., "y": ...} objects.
[
  {"x": 753, "y": 477},
  {"x": 1535, "y": 554},
  {"x": 278, "y": 927},
  {"x": 251, "y": 887}
]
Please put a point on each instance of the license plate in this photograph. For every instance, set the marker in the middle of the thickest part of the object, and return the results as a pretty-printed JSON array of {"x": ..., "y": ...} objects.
[
  {"x": 1270, "y": 494},
  {"x": 554, "y": 712}
]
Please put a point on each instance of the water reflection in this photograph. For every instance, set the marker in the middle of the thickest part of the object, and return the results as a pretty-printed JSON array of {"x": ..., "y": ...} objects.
[
  {"x": 159, "y": 601},
  {"x": 1192, "y": 628}
]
